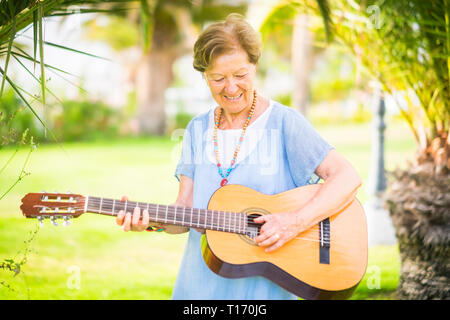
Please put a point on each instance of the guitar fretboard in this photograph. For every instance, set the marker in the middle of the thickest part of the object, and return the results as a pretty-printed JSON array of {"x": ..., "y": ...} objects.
[{"x": 178, "y": 215}]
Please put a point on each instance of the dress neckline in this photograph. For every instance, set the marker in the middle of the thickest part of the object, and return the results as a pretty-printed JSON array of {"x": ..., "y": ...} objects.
[{"x": 253, "y": 124}]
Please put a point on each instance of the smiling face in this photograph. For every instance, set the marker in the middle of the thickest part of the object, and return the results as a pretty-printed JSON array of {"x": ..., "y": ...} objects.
[{"x": 230, "y": 79}]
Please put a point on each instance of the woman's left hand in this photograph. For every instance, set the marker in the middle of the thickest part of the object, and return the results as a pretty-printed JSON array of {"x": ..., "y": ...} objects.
[{"x": 278, "y": 229}]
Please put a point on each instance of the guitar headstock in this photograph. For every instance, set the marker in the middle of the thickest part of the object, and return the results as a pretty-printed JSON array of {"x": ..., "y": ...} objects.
[{"x": 53, "y": 206}]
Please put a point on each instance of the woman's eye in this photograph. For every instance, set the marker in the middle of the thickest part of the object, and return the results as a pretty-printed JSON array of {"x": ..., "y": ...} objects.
[
  {"x": 218, "y": 80},
  {"x": 240, "y": 75}
]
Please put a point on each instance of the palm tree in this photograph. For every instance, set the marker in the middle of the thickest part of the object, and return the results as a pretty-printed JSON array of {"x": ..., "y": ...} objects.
[
  {"x": 18, "y": 16},
  {"x": 289, "y": 31},
  {"x": 405, "y": 46}
]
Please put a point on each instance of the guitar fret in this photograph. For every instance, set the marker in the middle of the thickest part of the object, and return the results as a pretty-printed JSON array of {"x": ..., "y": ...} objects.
[
  {"x": 114, "y": 204},
  {"x": 240, "y": 230},
  {"x": 229, "y": 218},
  {"x": 206, "y": 211},
  {"x": 192, "y": 213},
  {"x": 234, "y": 222},
  {"x": 321, "y": 233},
  {"x": 157, "y": 210},
  {"x": 175, "y": 214},
  {"x": 227, "y": 227},
  {"x": 198, "y": 218},
  {"x": 101, "y": 203},
  {"x": 224, "y": 227},
  {"x": 217, "y": 223},
  {"x": 86, "y": 203},
  {"x": 184, "y": 211},
  {"x": 218, "y": 220},
  {"x": 167, "y": 208}
]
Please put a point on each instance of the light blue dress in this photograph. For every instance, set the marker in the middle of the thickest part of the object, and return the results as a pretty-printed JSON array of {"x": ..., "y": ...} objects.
[{"x": 284, "y": 158}]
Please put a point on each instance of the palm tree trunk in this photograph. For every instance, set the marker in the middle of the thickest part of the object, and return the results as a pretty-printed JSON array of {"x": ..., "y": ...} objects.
[
  {"x": 419, "y": 205},
  {"x": 302, "y": 59}
]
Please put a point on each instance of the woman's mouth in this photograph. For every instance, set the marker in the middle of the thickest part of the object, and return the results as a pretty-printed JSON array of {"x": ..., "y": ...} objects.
[{"x": 233, "y": 98}]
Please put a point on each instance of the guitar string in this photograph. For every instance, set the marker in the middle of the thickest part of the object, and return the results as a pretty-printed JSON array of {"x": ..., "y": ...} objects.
[
  {"x": 299, "y": 238},
  {"x": 171, "y": 216},
  {"x": 172, "y": 210},
  {"x": 218, "y": 226},
  {"x": 174, "y": 213},
  {"x": 104, "y": 202}
]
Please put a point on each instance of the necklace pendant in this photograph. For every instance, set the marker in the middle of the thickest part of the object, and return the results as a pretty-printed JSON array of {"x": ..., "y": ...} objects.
[{"x": 223, "y": 182}]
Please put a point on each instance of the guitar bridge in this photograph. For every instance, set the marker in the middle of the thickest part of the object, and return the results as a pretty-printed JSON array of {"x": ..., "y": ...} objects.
[{"x": 324, "y": 241}]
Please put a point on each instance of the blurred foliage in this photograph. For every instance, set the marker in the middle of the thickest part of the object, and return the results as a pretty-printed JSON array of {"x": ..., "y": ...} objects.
[
  {"x": 17, "y": 16},
  {"x": 125, "y": 34},
  {"x": 277, "y": 27},
  {"x": 182, "y": 119},
  {"x": 153, "y": 22},
  {"x": 331, "y": 89},
  {"x": 70, "y": 120},
  {"x": 404, "y": 45},
  {"x": 329, "y": 113},
  {"x": 334, "y": 78},
  {"x": 85, "y": 120},
  {"x": 14, "y": 265},
  {"x": 15, "y": 120}
]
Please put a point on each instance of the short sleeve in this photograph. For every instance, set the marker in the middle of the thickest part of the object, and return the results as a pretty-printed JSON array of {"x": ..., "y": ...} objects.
[
  {"x": 305, "y": 148},
  {"x": 186, "y": 164}
]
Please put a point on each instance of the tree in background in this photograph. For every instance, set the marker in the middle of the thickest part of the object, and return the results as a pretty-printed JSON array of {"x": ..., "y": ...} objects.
[
  {"x": 168, "y": 30},
  {"x": 405, "y": 46},
  {"x": 293, "y": 33},
  {"x": 18, "y": 16}
]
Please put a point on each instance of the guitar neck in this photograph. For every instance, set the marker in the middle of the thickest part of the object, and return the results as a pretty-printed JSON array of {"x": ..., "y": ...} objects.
[{"x": 177, "y": 215}]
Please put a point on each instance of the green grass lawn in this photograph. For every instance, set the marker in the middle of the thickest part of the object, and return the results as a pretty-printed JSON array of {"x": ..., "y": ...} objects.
[{"x": 94, "y": 259}]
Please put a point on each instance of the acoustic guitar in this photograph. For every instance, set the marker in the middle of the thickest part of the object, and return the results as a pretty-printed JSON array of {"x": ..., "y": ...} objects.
[{"x": 325, "y": 262}]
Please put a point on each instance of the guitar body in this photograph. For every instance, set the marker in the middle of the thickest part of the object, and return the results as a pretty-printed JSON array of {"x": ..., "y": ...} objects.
[{"x": 300, "y": 266}]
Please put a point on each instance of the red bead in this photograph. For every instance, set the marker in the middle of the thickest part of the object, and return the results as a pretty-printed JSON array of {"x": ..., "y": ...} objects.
[
  {"x": 223, "y": 182},
  {"x": 218, "y": 164}
]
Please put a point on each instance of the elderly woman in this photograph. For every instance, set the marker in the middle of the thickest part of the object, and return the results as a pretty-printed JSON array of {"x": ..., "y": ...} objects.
[{"x": 248, "y": 140}]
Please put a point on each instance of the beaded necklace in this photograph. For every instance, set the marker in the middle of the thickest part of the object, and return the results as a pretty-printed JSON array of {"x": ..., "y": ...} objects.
[{"x": 216, "y": 146}]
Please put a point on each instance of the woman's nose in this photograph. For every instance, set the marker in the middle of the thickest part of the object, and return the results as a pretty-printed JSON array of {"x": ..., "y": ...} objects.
[{"x": 230, "y": 86}]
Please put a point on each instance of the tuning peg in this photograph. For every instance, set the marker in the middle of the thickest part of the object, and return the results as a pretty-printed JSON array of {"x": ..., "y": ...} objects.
[
  {"x": 67, "y": 221},
  {"x": 41, "y": 221},
  {"x": 53, "y": 220}
]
